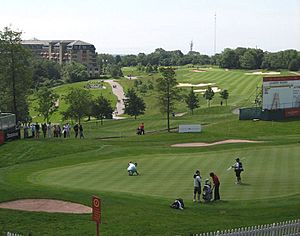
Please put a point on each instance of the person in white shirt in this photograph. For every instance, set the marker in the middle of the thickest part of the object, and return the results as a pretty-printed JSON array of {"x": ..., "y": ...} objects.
[
  {"x": 132, "y": 168},
  {"x": 238, "y": 168},
  {"x": 197, "y": 185}
]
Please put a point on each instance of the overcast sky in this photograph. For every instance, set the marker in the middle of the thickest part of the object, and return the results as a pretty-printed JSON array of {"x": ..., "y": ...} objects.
[{"x": 133, "y": 26}]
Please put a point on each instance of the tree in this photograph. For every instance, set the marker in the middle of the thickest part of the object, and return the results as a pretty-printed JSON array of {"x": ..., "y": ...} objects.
[
  {"x": 115, "y": 71},
  {"x": 208, "y": 95},
  {"x": 101, "y": 108},
  {"x": 15, "y": 74},
  {"x": 74, "y": 72},
  {"x": 45, "y": 73},
  {"x": 248, "y": 61},
  {"x": 229, "y": 59},
  {"x": 192, "y": 100},
  {"x": 224, "y": 95},
  {"x": 78, "y": 101},
  {"x": 46, "y": 102},
  {"x": 134, "y": 105},
  {"x": 294, "y": 65},
  {"x": 168, "y": 92}
]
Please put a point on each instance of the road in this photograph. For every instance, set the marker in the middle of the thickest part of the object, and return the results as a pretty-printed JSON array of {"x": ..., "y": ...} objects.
[{"x": 117, "y": 89}]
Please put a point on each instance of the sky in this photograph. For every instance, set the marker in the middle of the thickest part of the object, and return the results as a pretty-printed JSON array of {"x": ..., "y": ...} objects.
[{"x": 134, "y": 26}]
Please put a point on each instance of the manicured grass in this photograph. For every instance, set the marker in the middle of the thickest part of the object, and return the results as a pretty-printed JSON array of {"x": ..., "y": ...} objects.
[
  {"x": 170, "y": 175},
  {"x": 74, "y": 170}
]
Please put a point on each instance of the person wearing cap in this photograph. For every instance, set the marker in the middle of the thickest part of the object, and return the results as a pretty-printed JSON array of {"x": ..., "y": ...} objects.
[
  {"x": 197, "y": 185},
  {"x": 238, "y": 168}
]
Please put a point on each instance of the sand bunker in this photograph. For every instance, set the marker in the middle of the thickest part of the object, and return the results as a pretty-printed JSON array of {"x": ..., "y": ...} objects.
[
  {"x": 199, "y": 70},
  {"x": 215, "y": 143},
  {"x": 46, "y": 205},
  {"x": 195, "y": 85},
  {"x": 215, "y": 89},
  {"x": 263, "y": 73}
]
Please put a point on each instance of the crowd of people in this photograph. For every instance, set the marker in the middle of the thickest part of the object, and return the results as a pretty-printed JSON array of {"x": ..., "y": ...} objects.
[{"x": 49, "y": 130}]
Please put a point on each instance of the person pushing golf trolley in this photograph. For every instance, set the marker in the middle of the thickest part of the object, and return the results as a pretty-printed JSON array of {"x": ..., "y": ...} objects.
[{"x": 238, "y": 168}]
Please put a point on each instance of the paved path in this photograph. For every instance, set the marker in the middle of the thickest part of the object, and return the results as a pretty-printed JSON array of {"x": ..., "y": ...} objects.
[{"x": 117, "y": 89}]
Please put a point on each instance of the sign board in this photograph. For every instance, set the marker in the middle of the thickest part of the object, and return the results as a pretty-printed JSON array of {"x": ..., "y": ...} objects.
[
  {"x": 189, "y": 128},
  {"x": 292, "y": 112},
  {"x": 96, "y": 206},
  {"x": 281, "y": 92}
]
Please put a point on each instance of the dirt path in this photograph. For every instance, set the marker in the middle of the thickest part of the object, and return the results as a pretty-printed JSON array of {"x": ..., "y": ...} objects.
[
  {"x": 117, "y": 89},
  {"x": 215, "y": 143},
  {"x": 46, "y": 205}
]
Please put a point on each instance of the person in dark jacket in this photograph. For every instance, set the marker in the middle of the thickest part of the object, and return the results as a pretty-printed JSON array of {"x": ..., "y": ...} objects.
[{"x": 216, "y": 186}]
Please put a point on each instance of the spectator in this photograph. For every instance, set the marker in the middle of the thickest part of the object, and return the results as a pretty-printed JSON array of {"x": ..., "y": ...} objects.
[
  {"x": 76, "y": 128},
  {"x": 81, "y": 131}
]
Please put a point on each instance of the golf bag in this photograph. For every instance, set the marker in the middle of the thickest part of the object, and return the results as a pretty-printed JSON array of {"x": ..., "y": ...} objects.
[
  {"x": 138, "y": 131},
  {"x": 178, "y": 204},
  {"x": 207, "y": 193}
]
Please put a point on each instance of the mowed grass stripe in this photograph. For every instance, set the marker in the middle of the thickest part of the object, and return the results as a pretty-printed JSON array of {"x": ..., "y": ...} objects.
[{"x": 172, "y": 175}]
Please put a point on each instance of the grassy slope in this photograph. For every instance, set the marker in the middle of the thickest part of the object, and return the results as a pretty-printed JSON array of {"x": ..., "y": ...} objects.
[{"x": 139, "y": 205}]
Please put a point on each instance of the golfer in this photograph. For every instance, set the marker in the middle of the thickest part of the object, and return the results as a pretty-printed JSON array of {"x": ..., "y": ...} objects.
[
  {"x": 238, "y": 168},
  {"x": 216, "y": 186},
  {"x": 197, "y": 185},
  {"x": 132, "y": 168}
]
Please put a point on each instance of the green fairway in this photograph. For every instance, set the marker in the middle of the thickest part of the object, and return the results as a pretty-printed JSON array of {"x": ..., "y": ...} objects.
[
  {"x": 76, "y": 169},
  {"x": 268, "y": 174}
]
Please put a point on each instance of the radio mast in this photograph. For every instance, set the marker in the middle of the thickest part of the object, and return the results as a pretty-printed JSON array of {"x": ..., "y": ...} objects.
[{"x": 215, "y": 34}]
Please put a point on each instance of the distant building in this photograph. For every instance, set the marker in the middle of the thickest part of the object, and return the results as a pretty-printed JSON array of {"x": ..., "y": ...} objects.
[{"x": 63, "y": 51}]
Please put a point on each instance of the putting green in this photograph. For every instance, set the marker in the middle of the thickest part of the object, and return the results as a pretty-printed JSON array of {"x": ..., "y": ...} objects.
[{"x": 269, "y": 172}]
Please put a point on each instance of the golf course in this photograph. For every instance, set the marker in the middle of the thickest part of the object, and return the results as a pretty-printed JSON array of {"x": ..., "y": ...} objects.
[{"x": 74, "y": 170}]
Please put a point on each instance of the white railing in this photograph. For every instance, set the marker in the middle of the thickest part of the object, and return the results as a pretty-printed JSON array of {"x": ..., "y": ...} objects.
[
  {"x": 287, "y": 228},
  {"x": 13, "y": 234}
]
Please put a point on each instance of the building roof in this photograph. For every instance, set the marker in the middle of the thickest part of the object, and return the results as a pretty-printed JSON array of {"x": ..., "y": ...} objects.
[
  {"x": 79, "y": 43},
  {"x": 56, "y": 42},
  {"x": 35, "y": 42}
]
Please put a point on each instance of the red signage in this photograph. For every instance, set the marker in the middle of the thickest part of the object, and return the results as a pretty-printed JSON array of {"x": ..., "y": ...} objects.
[
  {"x": 292, "y": 112},
  {"x": 96, "y": 206},
  {"x": 2, "y": 137}
]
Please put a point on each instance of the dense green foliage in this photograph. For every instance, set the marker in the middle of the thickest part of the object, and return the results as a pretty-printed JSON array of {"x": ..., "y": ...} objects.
[
  {"x": 45, "y": 73},
  {"x": 79, "y": 104},
  {"x": 15, "y": 74},
  {"x": 102, "y": 108},
  {"x": 74, "y": 72},
  {"x": 46, "y": 104},
  {"x": 134, "y": 105}
]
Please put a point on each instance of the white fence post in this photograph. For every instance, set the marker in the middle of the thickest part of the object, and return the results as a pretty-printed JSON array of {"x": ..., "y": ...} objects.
[{"x": 286, "y": 228}]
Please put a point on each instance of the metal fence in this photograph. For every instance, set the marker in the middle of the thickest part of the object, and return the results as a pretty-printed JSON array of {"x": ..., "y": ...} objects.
[{"x": 287, "y": 228}]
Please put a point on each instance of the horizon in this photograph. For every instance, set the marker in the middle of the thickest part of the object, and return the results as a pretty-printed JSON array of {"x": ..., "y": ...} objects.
[{"x": 132, "y": 27}]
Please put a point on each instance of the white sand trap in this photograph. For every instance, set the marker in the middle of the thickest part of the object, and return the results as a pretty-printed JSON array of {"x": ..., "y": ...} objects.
[
  {"x": 215, "y": 143},
  {"x": 131, "y": 77},
  {"x": 199, "y": 71},
  {"x": 46, "y": 205},
  {"x": 194, "y": 85},
  {"x": 215, "y": 89},
  {"x": 263, "y": 73},
  {"x": 180, "y": 114}
]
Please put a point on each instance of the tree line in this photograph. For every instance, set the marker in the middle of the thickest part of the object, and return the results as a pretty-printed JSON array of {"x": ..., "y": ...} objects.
[{"x": 239, "y": 58}]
